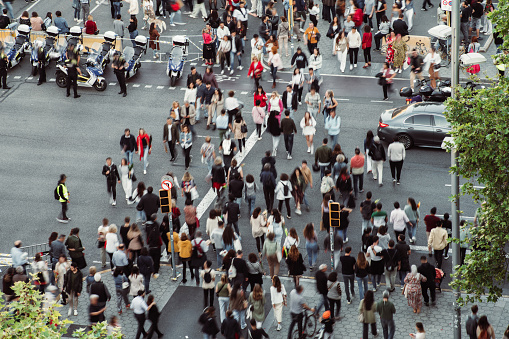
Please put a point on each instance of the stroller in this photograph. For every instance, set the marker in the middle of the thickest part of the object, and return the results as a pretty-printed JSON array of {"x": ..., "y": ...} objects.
[{"x": 439, "y": 277}]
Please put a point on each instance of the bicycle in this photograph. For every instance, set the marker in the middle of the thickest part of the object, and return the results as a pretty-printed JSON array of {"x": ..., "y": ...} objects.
[{"x": 308, "y": 326}]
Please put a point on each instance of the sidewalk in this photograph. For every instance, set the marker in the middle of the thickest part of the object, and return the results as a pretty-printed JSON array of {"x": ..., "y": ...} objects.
[{"x": 437, "y": 320}]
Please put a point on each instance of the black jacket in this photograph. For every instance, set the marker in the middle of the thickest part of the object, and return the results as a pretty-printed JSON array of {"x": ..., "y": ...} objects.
[
  {"x": 331, "y": 33},
  {"x": 295, "y": 104},
  {"x": 262, "y": 30},
  {"x": 146, "y": 264},
  {"x": 236, "y": 186},
  {"x": 428, "y": 271},
  {"x": 209, "y": 324},
  {"x": 268, "y": 180},
  {"x": 4, "y": 21},
  {"x": 78, "y": 282},
  {"x": 218, "y": 174},
  {"x": 377, "y": 152},
  {"x": 101, "y": 290},
  {"x": 230, "y": 327},
  {"x": 272, "y": 162},
  {"x": 233, "y": 210},
  {"x": 321, "y": 282},
  {"x": 299, "y": 60},
  {"x": 274, "y": 22},
  {"x": 238, "y": 43},
  {"x": 128, "y": 144},
  {"x": 113, "y": 175},
  {"x": 148, "y": 203},
  {"x": 400, "y": 27},
  {"x": 192, "y": 78}
]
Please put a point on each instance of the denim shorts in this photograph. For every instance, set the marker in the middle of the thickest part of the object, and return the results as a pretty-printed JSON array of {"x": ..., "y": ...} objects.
[{"x": 475, "y": 23}]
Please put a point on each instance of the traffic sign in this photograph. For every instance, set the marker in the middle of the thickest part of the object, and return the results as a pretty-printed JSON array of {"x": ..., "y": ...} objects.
[
  {"x": 166, "y": 185},
  {"x": 446, "y": 5}
]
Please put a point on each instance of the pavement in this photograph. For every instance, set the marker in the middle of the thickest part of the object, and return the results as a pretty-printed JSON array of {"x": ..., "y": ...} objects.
[{"x": 45, "y": 134}]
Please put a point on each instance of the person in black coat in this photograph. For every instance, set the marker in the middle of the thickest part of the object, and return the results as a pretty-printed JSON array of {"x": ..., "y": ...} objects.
[
  {"x": 427, "y": 270},
  {"x": 149, "y": 203},
  {"x": 110, "y": 171},
  {"x": 268, "y": 180},
  {"x": 321, "y": 287},
  {"x": 331, "y": 33},
  {"x": 242, "y": 270},
  {"x": 73, "y": 284},
  {"x": 153, "y": 316},
  {"x": 100, "y": 289},
  {"x": 154, "y": 242},
  {"x": 399, "y": 26},
  {"x": 128, "y": 145},
  {"x": 268, "y": 159},
  {"x": 208, "y": 321},
  {"x": 232, "y": 209},
  {"x": 295, "y": 264},
  {"x": 230, "y": 327},
  {"x": 295, "y": 104}
]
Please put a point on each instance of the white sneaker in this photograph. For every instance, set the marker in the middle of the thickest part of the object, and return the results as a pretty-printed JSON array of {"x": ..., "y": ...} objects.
[
  {"x": 346, "y": 240},
  {"x": 222, "y": 72},
  {"x": 173, "y": 25},
  {"x": 351, "y": 67},
  {"x": 309, "y": 149},
  {"x": 297, "y": 211},
  {"x": 69, "y": 312},
  {"x": 75, "y": 312},
  {"x": 192, "y": 16},
  {"x": 114, "y": 203},
  {"x": 312, "y": 149},
  {"x": 231, "y": 72},
  {"x": 278, "y": 327},
  {"x": 414, "y": 239},
  {"x": 260, "y": 138},
  {"x": 289, "y": 157},
  {"x": 144, "y": 171},
  {"x": 355, "y": 65},
  {"x": 240, "y": 68}
]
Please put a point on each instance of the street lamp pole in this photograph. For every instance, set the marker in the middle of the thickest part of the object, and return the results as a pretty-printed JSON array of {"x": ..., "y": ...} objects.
[{"x": 455, "y": 203}]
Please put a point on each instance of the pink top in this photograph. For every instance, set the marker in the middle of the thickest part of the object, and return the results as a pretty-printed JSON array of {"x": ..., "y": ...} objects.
[{"x": 207, "y": 39}]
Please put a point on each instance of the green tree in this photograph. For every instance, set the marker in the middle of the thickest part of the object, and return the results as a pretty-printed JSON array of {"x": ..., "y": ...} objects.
[
  {"x": 25, "y": 317},
  {"x": 480, "y": 127}
]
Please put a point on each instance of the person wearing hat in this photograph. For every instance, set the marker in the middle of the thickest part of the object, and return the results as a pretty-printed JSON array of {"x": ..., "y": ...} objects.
[
  {"x": 377, "y": 154},
  {"x": 119, "y": 65},
  {"x": 328, "y": 323},
  {"x": 386, "y": 310},
  {"x": 99, "y": 288}
]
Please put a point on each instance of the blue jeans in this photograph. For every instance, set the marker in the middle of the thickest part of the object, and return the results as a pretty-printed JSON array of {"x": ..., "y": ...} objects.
[
  {"x": 362, "y": 283},
  {"x": 116, "y": 6},
  {"x": 323, "y": 302},
  {"x": 349, "y": 285},
  {"x": 376, "y": 279},
  {"x": 146, "y": 282},
  {"x": 145, "y": 158},
  {"x": 412, "y": 230},
  {"x": 312, "y": 249},
  {"x": 240, "y": 316},
  {"x": 8, "y": 5},
  {"x": 223, "y": 307},
  {"x": 402, "y": 276},
  {"x": 133, "y": 35},
  {"x": 342, "y": 233},
  {"x": 232, "y": 59},
  {"x": 273, "y": 72},
  {"x": 141, "y": 216},
  {"x": 333, "y": 140},
  {"x": 198, "y": 109},
  {"x": 219, "y": 258},
  {"x": 172, "y": 16},
  {"x": 313, "y": 111},
  {"x": 304, "y": 200},
  {"x": 388, "y": 328},
  {"x": 251, "y": 203},
  {"x": 128, "y": 154},
  {"x": 366, "y": 224},
  {"x": 210, "y": 163},
  {"x": 358, "y": 183},
  {"x": 238, "y": 201}
]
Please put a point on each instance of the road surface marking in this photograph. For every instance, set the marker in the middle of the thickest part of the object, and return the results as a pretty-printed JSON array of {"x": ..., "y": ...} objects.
[
  {"x": 112, "y": 83},
  {"x": 30, "y": 78},
  {"x": 382, "y": 101},
  {"x": 243, "y": 93},
  {"x": 17, "y": 77},
  {"x": 148, "y": 86},
  {"x": 160, "y": 87},
  {"x": 136, "y": 85}
]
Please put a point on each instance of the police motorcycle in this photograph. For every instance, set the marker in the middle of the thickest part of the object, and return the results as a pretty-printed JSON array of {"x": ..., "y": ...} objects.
[
  {"x": 18, "y": 47},
  {"x": 75, "y": 37},
  {"x": 133, "y": 56},
  {"x": 107, "y": 50},
  {"x": 91, "y": 73},
  {"x": 49, "y": 48},
  {"x": 177, "y": 58}
]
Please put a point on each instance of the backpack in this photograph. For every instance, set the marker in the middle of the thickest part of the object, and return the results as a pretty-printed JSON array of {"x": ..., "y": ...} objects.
[
  {"x": 232, "y": 271},
  {"x": 389, "y": 265},
  {"x": 227, "y": 147},
  {"x": 325, "y": 186},
  {"x": 377, "y": 154},
  {"x": 367, "y": 209},
  {"x": 286, "y": 189},
  {"x": 207, "y": 277},
  {"x": 197, "y": 250},
  {"x": 55, "y": 193},
  {"x": 234, "y": 172}
]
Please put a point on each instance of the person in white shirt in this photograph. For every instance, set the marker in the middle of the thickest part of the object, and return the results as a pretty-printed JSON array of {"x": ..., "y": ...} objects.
[
  {"x": 396, "y": 155},
  {"x": 399, "y": 220},
  {"x": 222, "y": 31},
  {"x": 431, "y": 60},
  {"x": 111, "y": 242},
  {"x": 278, "y": 299},
  {"x": 190, "y": 94},
  {"x": 376, "y": 262},
  {"x": 139, "y": 307},
  {"x": 354, "y": 42},
  {"x": 256, "y": 47}
]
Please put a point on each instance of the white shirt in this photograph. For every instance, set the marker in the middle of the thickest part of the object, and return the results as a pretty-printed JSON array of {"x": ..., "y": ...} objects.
[
  {"x": 398, "y": 219},
  {"x": 297, "y": 79},
  {"x": 372, "y": 255},
  {"x": 230, "y": 103},
  {"x": 396, "y": 151},
  {"x": 221, "y": 32},
  {"x": 190, "y": 95},
  {"x": 354, "y": 39},
  {"x": 203, "y": 244},
  {"x": 254, "y": 46},
  {"x": 111, "y": 242},
  {"x": 138, "y": 305},
  {"x": 275, "y": 296},
  {"x": 240, "y": 14}
]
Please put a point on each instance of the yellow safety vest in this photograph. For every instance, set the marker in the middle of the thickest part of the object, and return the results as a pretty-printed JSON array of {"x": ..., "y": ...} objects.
[{"x": 65, "y": 193}]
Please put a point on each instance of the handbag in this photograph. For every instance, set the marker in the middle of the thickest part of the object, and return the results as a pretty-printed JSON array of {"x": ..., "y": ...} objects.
[
  {"x": 363, "y": 45},
  {"x": 194, "y": 193},
  {"x": 125, "y": 284},
  {"x": 133, "y": 178},
  {"x": 361, "y": 317},
  {"x": 237, "y": 244},
  {"x": 243, "y": 128}
]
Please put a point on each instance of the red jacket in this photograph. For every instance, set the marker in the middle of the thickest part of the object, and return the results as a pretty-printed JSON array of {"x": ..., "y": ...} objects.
[
  {"x": 90, "y": 27},
  {"x": 262, "y": 98},
  {"x": 358, "y": 17},
  {"x": 366, "y": 40},
  {"x": 255, "y": 70}
]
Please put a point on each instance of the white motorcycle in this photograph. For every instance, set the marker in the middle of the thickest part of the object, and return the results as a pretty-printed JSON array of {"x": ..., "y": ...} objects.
[
  {"x": 49, "y": 48},
  {"x": 133, "y": 56},
  {"x": 19, "y": 47}
]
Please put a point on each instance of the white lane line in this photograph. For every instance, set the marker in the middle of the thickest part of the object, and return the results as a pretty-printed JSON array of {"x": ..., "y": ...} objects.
[
  {"x": 204, "y": 136},
  {"x": 172, "y": 88},
  {"x": 52, "y": 79},
  {"x": 93, "y": 9},
  {"x": 342, "y": 99},
  {"x": 244, "y": 93},
  {"x": 183, "y": 88},
  {"x": 349, "y": 76},
  {"x": 17, "y": 77},
  {"x": 112, "y": 83},
  {"x": 148, "y": 86},
  {"x": 476, "y": 187},
  {"x": 136, "y": 85},
  {"x": 382, "y": 101},
  {"x": 30, "y": 7},
  {"x": 161, "y": 87},
  {"x": 30, "y": 78}
]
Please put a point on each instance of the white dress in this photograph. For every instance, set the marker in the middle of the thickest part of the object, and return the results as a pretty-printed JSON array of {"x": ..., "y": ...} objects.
[
  {"x": 127, "y": 183},
  {"x": 308, "y": 129}
]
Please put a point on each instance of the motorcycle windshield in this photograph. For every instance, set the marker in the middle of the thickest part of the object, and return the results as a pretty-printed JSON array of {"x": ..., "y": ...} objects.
[
  {"x": 128, "y": 53},
  {"x": 8, "y": 42},
  {"x": 96, "y": 48}
]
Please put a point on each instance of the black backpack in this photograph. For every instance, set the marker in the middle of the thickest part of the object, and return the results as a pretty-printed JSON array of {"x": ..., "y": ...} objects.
[
  {"x": 55, "y": 192},
  {"x": 207, "y": 277},
  {"x": 367, "y": 209},
  {"x": 286, "y": 189},
  {"x": 390, "y": 264}
]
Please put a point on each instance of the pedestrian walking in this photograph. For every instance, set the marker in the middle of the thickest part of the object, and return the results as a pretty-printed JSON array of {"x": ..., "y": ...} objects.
[
  {"x": 386, "y": 79},
  {"x": 414, "y": 282},
  {"x": 274, "y": 129},
  {"x": 412, "y": 212},
  {"x": 278, "y": 299},
  {"x": 121, "y": 289},
  {"x": 334, "y": 295},
  {"x": 288, "y": 127},
  {"x": 396, "y": 155},
  {"x": 238, "y": 304},
  {"x": 73, "y": 284},
  {"x": 344, "y": 186},
  {"x": 99, "y": 288},
  {"x": 126, "y": 177},
  {"x": 419, "y": 331},
  {"x": 101, "y": 240},
  {"x": 132, "y": 28},
  {"x": 348, "y": 271},
  {"x": 209, "y": 324},
  {"x": 257, "y": 304},
  {"x": 4, "y": 63},
  {"x": 438, "y": 241},
  {"x": 153, "y": 316},
  {"x": 223, "y": 289},
  {"x": 271, "y": 250},
  {"x": 110, "y": 171},
  {"x": 295, "y": 264},
  {"x": 431, "y": 221},
  {"x": 171, "y": 137},
  {"x": 72, "y": 61},
  {"x": 283, "y": 192},
  {"x": 255, "y": 71},
  {"x": 119, "y": 66},
  {"x": 239, "y": 130},
  {"x": 399, "y": 220},
  {"x": 386, "y": 310},
  {"x": 377, "y": 265},
  {"x": 332, "y": 125},
  {"x": 75, "y": 248},
  {"x": 146, "y": 269},
  {"x": 144, "y": 147},
  {"x": 112, "y": 242},
  {"x": 311, "y": 244},
  {"x": 367, "y": 309},
  {"x": 357, "y": 171},
  {"x": 268, "y": 180},
  {"x": 254, "y": 270},
  {"x": 472, "y": 322},
  {"x": 361, "y": 269},
  {"x": 403, "y": 259},
  {"x": 390, "y": 257},
  {"x": 377, "y": 154},
  {"x": 186, "y": 142},
  {"x": 258, "y": 223},
  {"x": 139, "y": 307},
  {"x": 321, "y": 287},
  {"x": 41, "y": 63},
  {"x": 128, "y": 145}
]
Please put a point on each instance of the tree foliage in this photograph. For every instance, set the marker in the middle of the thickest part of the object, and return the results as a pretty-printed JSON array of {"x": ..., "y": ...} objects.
[
  {"x": 480, "y": 127},
  {"x": 26, "y": 318}
]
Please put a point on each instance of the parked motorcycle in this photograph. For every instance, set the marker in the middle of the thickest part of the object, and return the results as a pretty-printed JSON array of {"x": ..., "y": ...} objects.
[
  {"x": 107, "y": 50},
  {"x": 18, "y": 47},
  {"x": 133, "y": 55},
  {"x": 91, "y": 76},
  {"x": 427, "y": 93},
  {"x": 75, "y": 37},
  {"x": 49, "y": 48},
  {"x": 177, "y": 58}
]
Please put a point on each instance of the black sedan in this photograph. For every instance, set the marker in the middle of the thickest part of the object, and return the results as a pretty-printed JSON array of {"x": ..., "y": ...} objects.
[{"x": 418, "y": 124}]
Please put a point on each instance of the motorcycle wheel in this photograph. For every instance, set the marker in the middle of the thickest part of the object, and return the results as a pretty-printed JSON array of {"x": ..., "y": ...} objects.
[
  {"x": 34, "y": 70},
  {"x": 61, "y": 80},
  {"x": 100, "y": 85},
  {"x": 173, "y": 80}
]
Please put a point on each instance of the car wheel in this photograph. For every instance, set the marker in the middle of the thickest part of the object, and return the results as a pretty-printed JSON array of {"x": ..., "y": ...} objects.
[{"x": 406, "y": 140}]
